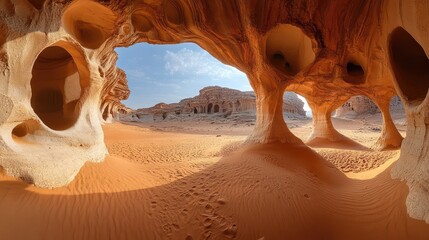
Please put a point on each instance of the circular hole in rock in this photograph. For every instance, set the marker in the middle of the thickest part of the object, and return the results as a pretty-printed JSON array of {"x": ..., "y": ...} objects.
[
  {"x": 20, "y": 130},
  {"x": 289, "y": 49},
  {"x": 90, "y": 28},
  {"x": 354, "y": 69},
  {"x": 56, "y": 88},
  {"x": 410, "y": 65},
  {"x": 355, "y": 73}
]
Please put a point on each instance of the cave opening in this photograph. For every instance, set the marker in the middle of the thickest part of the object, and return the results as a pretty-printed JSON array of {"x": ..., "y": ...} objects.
[
  {"x": 297, "y": 114},
  {"x": 170, "y": 73},
  {"x": 216, "y": 108},
  {"x": 361, "y": 116},
  {"x": 410, "y": 65},
  {"x": 295, "y": 106},
  {"x": 56, "y": 87}
]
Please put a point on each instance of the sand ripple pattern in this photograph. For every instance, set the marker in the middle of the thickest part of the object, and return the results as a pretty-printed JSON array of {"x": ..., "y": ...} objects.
[{"x": 356, "y": 161}]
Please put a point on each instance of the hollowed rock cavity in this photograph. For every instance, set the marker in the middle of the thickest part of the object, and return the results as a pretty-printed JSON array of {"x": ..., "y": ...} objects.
[
  {"x": 355, "y": 73},
  {"x": 56, "y": 88},
  {"x": 410, "y": 65},
  {"x": 90, "y": 28},
  {"x": 23, "y": 129},
  {"x": 289, "y": 49},
  {"x": 20, "y": 130}
]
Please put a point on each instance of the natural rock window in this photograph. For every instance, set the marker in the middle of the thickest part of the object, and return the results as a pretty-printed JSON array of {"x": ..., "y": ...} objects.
[
  {"x": 56, "y": 88},
  {"x": 366, "y": 118},
  {"x": 410, "y": 65}
]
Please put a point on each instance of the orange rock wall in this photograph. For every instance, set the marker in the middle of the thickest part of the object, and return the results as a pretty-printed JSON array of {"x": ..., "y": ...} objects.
[{"x": 326, "y": 51}]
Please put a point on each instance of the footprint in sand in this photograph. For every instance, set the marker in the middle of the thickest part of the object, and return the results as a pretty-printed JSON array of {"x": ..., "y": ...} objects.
[
  {"x": 207, "y": 222},
  {"x": 209, "y": 208},
  {"x": 230, "y": 232}
]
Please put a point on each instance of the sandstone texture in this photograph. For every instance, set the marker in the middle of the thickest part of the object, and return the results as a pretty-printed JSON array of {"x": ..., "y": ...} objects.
[
  {"x": 214, "y": 100},
  {"x": 58, "y": 73}
]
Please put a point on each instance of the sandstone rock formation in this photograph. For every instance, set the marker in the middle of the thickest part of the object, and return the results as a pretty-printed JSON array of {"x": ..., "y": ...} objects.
[
  {"x": 360, "y": 105},
  {"x": 217, "y": 100},
  {"x": 56, "y": 59},
  {"x": 113, "y": 92}
]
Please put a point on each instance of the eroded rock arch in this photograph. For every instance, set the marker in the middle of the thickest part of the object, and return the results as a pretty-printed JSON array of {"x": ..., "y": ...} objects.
[
  {"x": 331, "y": 51},
  {"x": 57, "y": 85}
]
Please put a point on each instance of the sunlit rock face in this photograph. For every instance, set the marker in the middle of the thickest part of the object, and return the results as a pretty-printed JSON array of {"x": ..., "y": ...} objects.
[
  {"x": 360, "y": 105},
  {"x": 49, "y": 96},
  {"x": 214, "y": 100},
  {"x": 58, "y": 73},
  {"x": 355, "y": 106}
]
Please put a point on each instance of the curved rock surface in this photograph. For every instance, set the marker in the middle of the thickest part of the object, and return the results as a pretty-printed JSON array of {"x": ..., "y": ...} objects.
[{"x": 57, "y": 71}]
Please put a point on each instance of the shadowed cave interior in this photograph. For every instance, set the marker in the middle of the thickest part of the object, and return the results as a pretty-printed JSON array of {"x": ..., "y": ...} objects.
[
  {"x": 410, "y": 64},
  {"x": 56, "y": 88}
]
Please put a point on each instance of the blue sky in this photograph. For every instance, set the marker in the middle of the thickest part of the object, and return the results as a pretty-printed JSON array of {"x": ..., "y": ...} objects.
[{"x": 169, "y": 73}]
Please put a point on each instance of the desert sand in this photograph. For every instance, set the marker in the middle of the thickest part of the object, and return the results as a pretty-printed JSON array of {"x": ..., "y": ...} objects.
[
  {"x": 325, "y": 179},
  {"x": 166, "y": 181}
]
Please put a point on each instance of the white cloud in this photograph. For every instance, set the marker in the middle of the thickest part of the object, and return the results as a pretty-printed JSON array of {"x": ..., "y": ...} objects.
[{"x": 189, "y": 62}]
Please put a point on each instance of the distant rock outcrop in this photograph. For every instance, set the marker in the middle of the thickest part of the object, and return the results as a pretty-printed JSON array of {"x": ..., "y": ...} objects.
[
  {"x": 360, "y": 105},
  {"x": 216, "y": 100}
]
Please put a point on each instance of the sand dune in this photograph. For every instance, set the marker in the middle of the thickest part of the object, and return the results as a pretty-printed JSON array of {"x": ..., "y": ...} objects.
[{"x": 165, "y": 185}]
